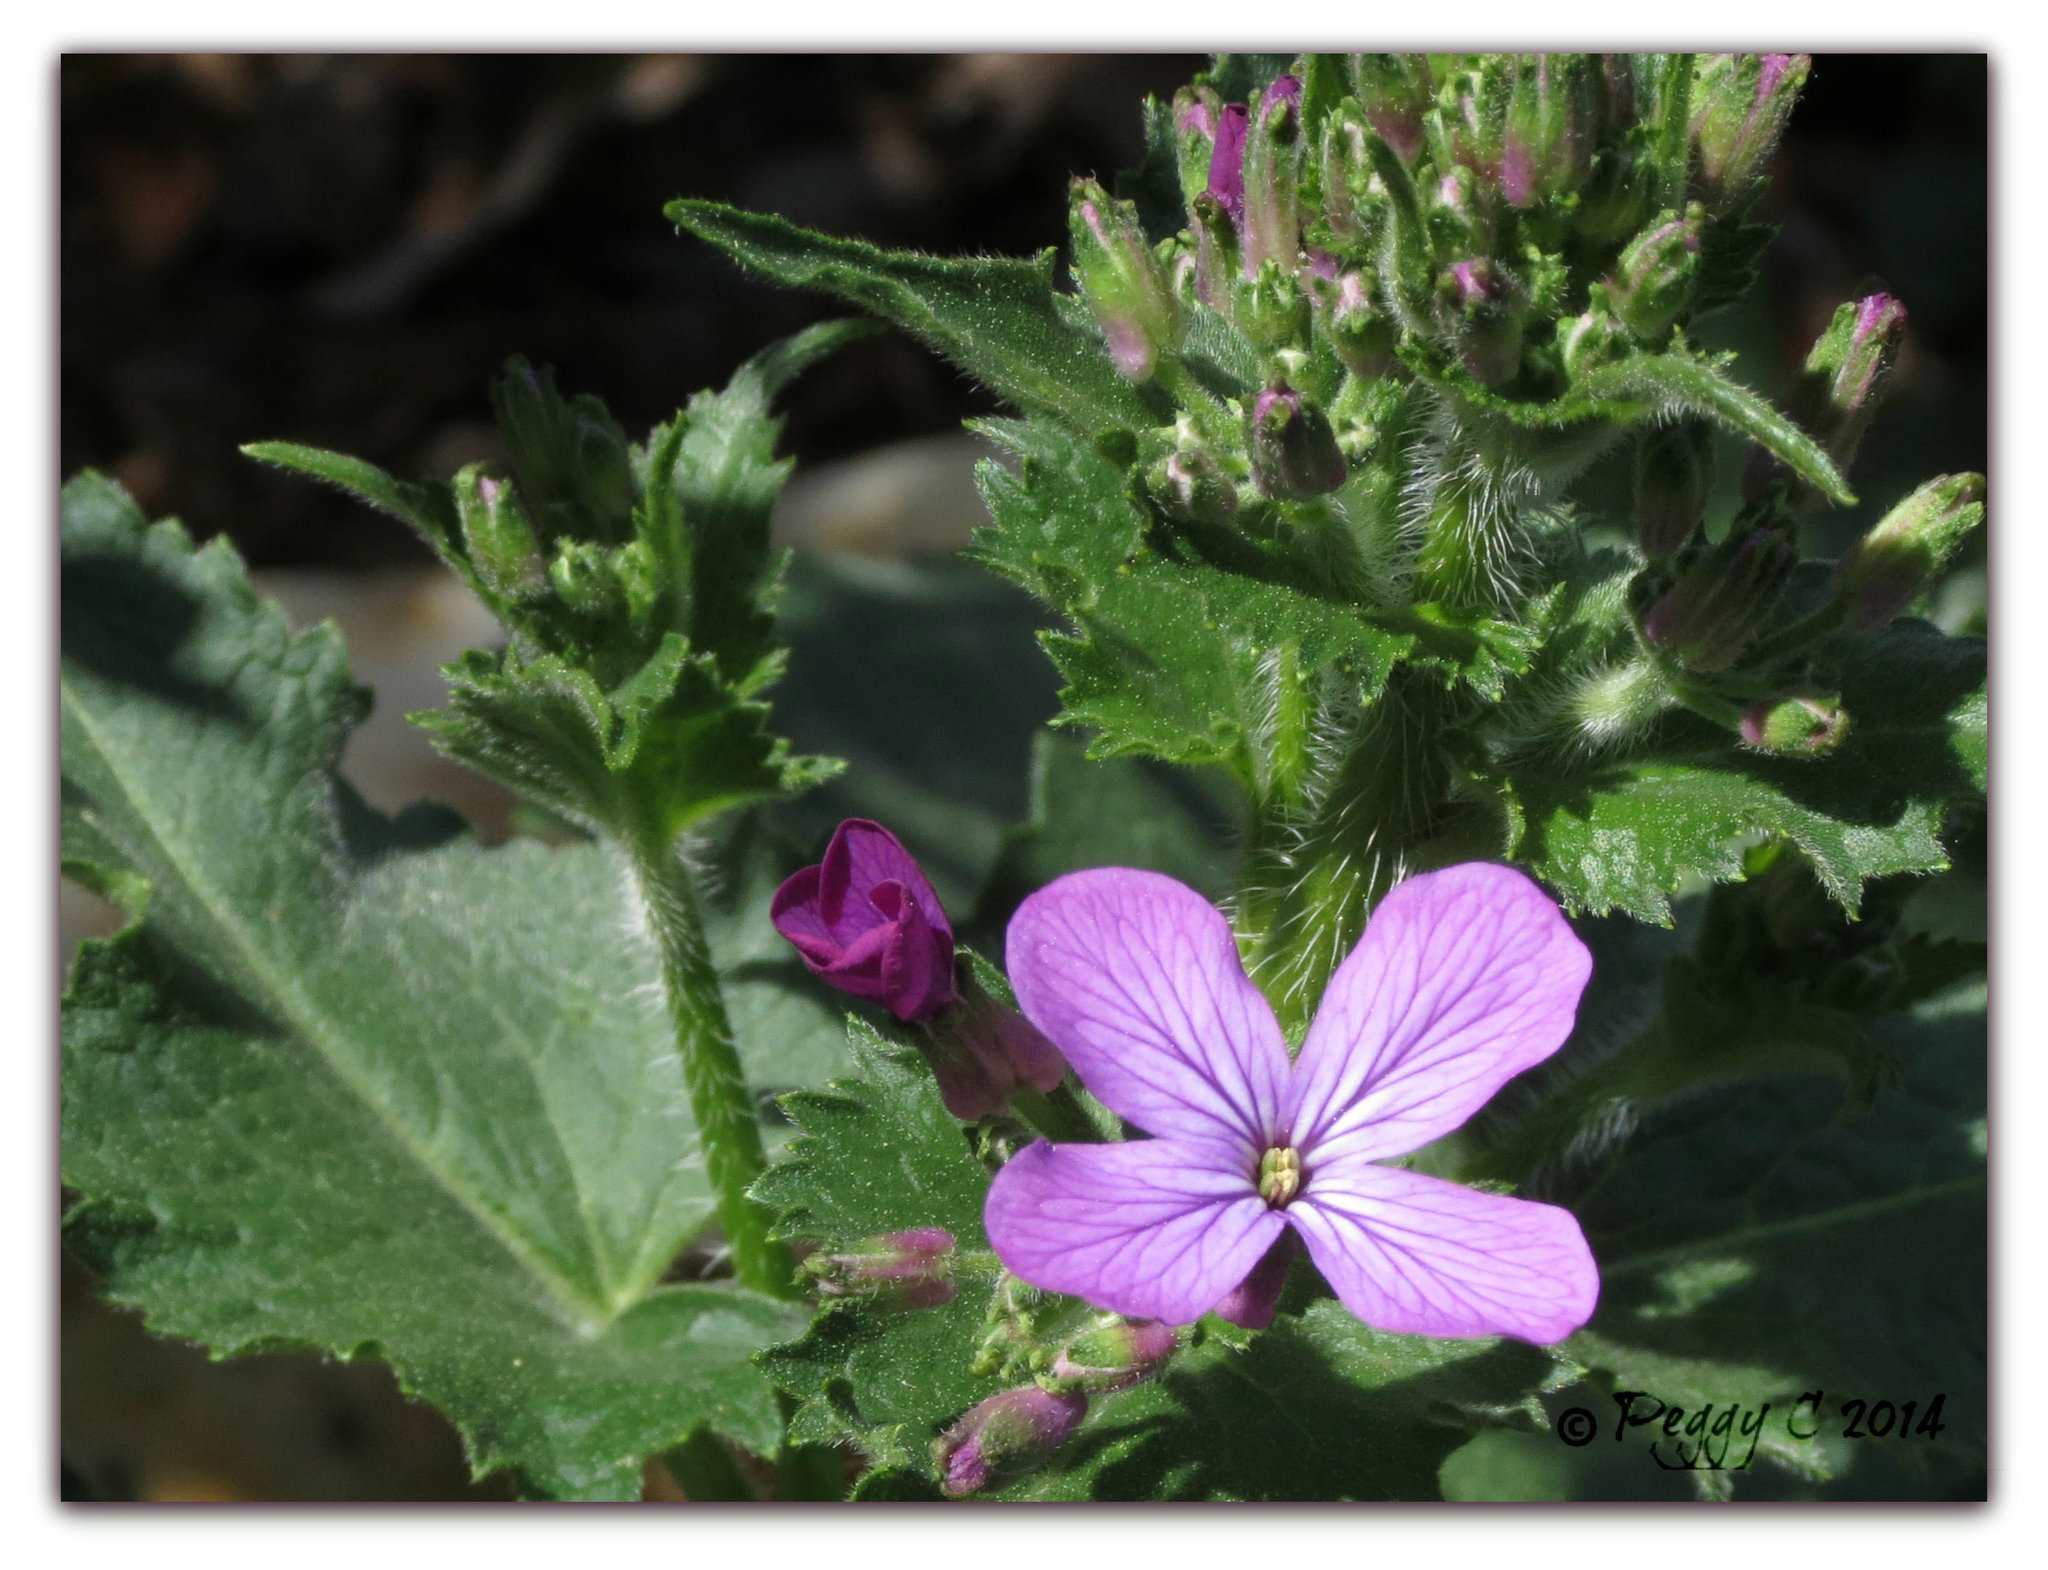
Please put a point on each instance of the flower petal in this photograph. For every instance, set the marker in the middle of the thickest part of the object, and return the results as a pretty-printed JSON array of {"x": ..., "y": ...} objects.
[
  {"x": 1464, "y": 978},
  {"x": 1153, "y": 1229},
  {"x": 863, "y": 854},
  {"x": 1415, "y": 1254},
  {"x": 1136, "y": 979}
]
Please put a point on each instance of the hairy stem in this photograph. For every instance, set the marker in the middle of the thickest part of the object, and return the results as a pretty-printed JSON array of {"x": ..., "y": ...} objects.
[{"x": 719, "y": 1099}]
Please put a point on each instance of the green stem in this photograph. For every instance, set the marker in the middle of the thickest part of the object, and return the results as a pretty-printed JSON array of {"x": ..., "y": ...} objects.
[
  {"x": 719, "y": 1099},
  {"x": 1792, "y": 639},
  {"x": 1058, "y": 1115},
  {"x": 1211, "y": 418}
]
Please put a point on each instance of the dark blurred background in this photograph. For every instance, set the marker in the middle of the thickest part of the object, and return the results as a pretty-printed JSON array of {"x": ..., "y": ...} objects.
[{"x": 343, "y": 249}]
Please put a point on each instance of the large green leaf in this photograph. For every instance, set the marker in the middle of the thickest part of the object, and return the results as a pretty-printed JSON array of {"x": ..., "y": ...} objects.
[
  {"x": 995, "y": 318},
  {"x": 359, "y": 1084}
]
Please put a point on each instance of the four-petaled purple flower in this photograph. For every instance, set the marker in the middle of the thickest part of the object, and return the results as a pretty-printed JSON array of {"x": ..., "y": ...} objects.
[
  {"x": 867, "y": 921},
  {"x": 1464, "y": 978}
]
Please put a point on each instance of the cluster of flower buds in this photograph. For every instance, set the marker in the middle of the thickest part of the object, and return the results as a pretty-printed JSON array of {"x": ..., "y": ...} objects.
[
  {"x": 907, "y": 1269},
  {"x": 867, "y": 921},
  {"x": 1005, "y": 1436}
]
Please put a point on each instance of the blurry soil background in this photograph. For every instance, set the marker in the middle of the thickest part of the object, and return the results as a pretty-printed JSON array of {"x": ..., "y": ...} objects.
[{"x": 342, "y": 250}]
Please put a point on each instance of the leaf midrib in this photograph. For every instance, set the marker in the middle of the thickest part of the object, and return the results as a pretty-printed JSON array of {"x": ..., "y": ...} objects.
[{"x": 583, "y": 1314}]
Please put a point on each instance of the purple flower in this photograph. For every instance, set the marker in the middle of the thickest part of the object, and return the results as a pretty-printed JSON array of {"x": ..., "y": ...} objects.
[
  {"x": 1226, "y": 163},
  {"x": 1011, "y": 1432},
  {"x": 1464, "y": 978},
  {"x": 868, "y": 922}
]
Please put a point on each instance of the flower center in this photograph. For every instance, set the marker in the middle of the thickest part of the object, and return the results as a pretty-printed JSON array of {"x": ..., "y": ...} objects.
[{"x": 1279, "y": 1175}]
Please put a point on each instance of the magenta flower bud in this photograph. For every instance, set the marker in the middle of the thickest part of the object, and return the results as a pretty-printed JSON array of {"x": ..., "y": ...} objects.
[
  {"x": 1740, "y": 104},
  {"x": 981, "y": 1052},
  {"x": 1004, "y": 1437},
  {"x": 1396, "y": 92},
  {"x": 1122, "y": 281},
  {"x": 1485, "y": 310},
  {"x": 1114, "y": 1354},
  {"x": 1710, "y": 614},
  {"x": 909, "y": 1269},
  {"x": 1796, "y": 727},
  {"x": 1271, "y": 226},
  {"x": 867, "y": 921},
  {"x": 1653, "y": 281},
  {"x": 1226, "y": 160},
  {"x": 1891, "y": 564},
  {"x": 1294, "y": 452},
  {"x": 1674, "y": 472},
  {"x": 1846, "y": 373},
  {"x": 1548, "y": 148}
]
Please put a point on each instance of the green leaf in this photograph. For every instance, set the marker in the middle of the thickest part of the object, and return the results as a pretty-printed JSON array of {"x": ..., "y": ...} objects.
[
  {"x": 880, "y": 1153},
  {"x": 429, "y": 509},
  {"x": 1174, "y": 659},
  {"x": 1805, "y": 1252},
  {"x": 356, "y": 1084},
  {"x": 993, "y": 317},
  {"x": 545, "y": 729},
  {"x": 1626, "y": 836},
  {"x": 1319, "y": 1407}
]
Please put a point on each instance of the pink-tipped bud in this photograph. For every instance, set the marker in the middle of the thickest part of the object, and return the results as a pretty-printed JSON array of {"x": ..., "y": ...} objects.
[
  {"x": 1190, "y": 486},
  {"x": 1363, "y": 336},
  {"x": 981, "y": 1052},
  {"x": 1271, "y": 227},
  {"x": 1197, "y": 112},
  {"x": 1004, "y": 1437},
  {"x": 908, "y": 1269},
  {"x": 1114, "y": 1354},
  {"x": 1548, "y": 148},
  {"x": 1395, "y": 91},
  {"x": 1122, "y": 281},
  {"x": 497, "y": 535},
  {"x": 1796, "y": 727},
  {"x": 1294, "y": 453},
  {"x": 1740, "y": 104},
  {"x": 1485, "y": 308},
  {"x": 1891, "y": 564},
  {"x": 1841, "y": 386},
  {"x": 1653, "y": 281}
]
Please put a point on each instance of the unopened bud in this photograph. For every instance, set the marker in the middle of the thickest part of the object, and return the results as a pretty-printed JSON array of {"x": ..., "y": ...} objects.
[
  {"x": 1217, "y": 257},
  {"x": 1363, "y": 336},
  {"x": 1005, "y": 1436},
  {"x": 981, "y": 1051},
  {"x": 909, "y": 1269},
  {"x": 1548, "y": 149},
  {"x": 1396, "y": 92},
  {"x": 1196, "y": 113},
  {"x": 1226, "y": 160},
  {"x": 1653, "y": 281},
  {"x": 1191, "y": 486},
  {"x": 1485, "y": 308},
  {"x": 1122, "y": 281},
  {"x": 1271, "y": 230},
  {"x": 1796, "y": 727},
  {"x": 1740, "y": 106},
  {"x": 1844, "y": 380},
  {"x": 1593, "y": 338},
  {"x": 1294, "y": 452},
  {"x": 1891, "y": 564},
  {"x": 1674, "y": 472},
  {"x": 497, "y": 536},
  {"x": 1113, "y": 1354},
  {"x": 1710, "y": 614},
  {"x": 1270, "y": 308}
]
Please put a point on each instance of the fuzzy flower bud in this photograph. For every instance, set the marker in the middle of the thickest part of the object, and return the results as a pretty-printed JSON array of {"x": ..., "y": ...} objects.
[
  {"x": 1486, "y": 319},
  {"x": 1294, "y": 452},
  {"x": 1895, "y": 560},
  {"x": 1113, "y": 1354},
  {"x": 1191, "y": 486},
  {"x": 1674, "y": 472},
  {"x": 1007, "y": 1435},
  {"x": 908, "y": 1269},
  {"x": 867, "y": 921},
  {"x": 1271, "y": 227},
  {"x": 1396, "y": 92},
  {"x": 497, "y": 536},
  {"x": 1653, "y": 281},
  {"x": 981, "y": 1051},
  {"x": 1197, "y": 111},
  {"x": 1548, "y": 149},
  {"x": 1846, "y": 371},
  {"x": 1796, "y": 727},
  {"x": 1226, "y": 160},
  {"x": 1740, "y": 106},
  {"x": 1593, "y": 338},
  {"x": 1122, "y": 281},
  {"x": 1363, "y": 337},
  {"x": 1710, "y": 614}
]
